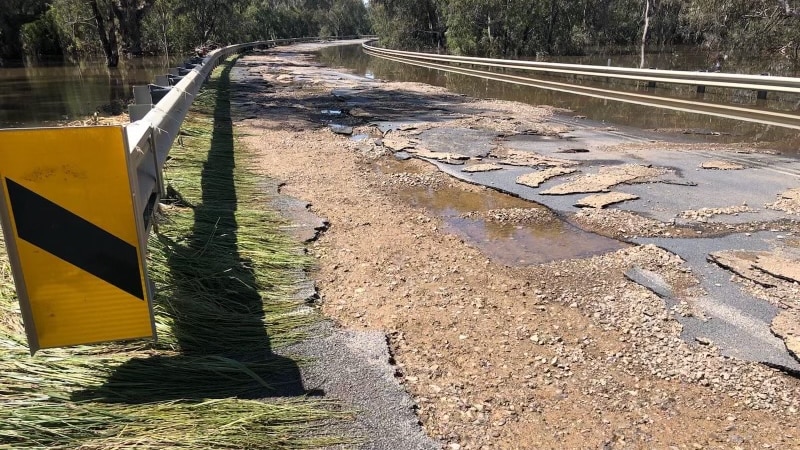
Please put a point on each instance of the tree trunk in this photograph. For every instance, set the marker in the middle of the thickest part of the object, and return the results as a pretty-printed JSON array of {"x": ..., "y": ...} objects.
[
  {"x": 129, "y": 14},
  {"x": 108, "y": 36},
  {"x": 552, "y": 25},
  {"x": 644, "y": 31}
]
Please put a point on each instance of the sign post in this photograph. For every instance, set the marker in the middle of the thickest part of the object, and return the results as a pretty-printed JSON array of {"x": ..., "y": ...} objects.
[{"x": 74, "y": 238}]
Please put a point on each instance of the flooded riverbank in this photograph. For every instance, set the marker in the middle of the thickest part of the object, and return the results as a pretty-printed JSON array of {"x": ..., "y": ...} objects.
[
  {"x": 57, "y": 93},
  {"x": 702, "y": 127}
]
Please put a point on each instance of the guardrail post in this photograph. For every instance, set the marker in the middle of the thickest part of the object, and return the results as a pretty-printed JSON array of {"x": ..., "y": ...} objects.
[
  {"x": 142, "y": 103},
  {"x": 141, "y": 95},
  {"x": 701, "y": 90},
  {"x": 762, "y": 95},
  {"x": 651, "y": 84},
  {"x": 162, "y": 80}
]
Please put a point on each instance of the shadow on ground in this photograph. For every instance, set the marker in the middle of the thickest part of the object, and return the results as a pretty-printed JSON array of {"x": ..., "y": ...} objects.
[{"x": 217, "y": 312}]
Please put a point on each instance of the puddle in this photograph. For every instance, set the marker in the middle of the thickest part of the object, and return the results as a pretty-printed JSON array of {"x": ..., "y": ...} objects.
[
  {"x": 509, "y": 243},
  {"x": 531, "y": 244},
  {"x": 396, "y": 166},
  {"x": 341, "y": 129}
]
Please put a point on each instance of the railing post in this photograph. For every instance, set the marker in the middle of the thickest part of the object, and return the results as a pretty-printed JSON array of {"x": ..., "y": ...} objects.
[
  {"x": 762, "y": 95},
  {"x": 701, "y": 90},
  {"x": 651, "y": 84}
]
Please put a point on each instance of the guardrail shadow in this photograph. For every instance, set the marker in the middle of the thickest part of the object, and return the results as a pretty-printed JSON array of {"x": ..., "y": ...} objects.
[{"x": 216, "y": 310}]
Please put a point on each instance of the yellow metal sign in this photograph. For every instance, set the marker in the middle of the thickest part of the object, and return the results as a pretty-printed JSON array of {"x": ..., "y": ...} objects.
[{"x": 73, "y": 236}]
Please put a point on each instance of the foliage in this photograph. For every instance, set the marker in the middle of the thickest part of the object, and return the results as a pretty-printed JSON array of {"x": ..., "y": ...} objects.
[
  {"x": 13, "y": 15},
  {"x": 500, "y": 28},
  {"x": 40, "y": 37},
  {"x": 515, "y": 28},
  {"x": 409, "y": 23},
  {"x": 77, "y": 28}
]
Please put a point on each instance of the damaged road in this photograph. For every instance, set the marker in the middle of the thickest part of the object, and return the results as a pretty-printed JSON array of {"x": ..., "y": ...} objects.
[{"x": 646, "y": 340}]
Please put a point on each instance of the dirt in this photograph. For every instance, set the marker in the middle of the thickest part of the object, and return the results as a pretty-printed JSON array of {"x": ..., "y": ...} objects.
[
  {"x": 786, "y": 325},
  {"x": 482, "y": 167},
  {"x": 514, "y": 216},
  {"x": 704, "y": 214},
  {"x": 788, "y": 201},
  {"x": 568, "y": 354},
  {"x": 514, "y": 157}
]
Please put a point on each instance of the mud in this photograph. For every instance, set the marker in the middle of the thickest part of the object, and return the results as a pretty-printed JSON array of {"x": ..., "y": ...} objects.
[
  {"x": 721, "y": 165},
  {"x": 563, "y": 354}
]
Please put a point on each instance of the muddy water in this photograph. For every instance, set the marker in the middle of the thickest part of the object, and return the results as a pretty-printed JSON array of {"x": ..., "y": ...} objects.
[
  {"x": 619, "y": 113},
  {"x": 49, "y": 94},
  {"x": 509, "y": 243}
]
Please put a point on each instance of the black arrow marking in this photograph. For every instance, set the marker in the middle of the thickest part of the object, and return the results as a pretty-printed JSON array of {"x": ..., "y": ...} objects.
[{"x": 74, "y": 239}]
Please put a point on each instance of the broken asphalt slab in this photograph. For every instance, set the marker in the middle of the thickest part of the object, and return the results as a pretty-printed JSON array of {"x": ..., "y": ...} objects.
[{"x": 738, "y": 323}]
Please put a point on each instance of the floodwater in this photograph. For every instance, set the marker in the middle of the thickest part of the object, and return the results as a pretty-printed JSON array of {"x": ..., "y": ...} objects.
[
  {"x": 54, "y": 93},
  {"x": 509, "y": 243},
  {"x": 712, "y": 129}
]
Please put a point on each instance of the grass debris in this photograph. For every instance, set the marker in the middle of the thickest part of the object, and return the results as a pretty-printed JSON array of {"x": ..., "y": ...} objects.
[{"x": 226, "y": 278}]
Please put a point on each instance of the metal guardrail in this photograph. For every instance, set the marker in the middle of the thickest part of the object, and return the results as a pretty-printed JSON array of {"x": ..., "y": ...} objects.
[
  {"x": 76, "y": 208},
  {"x": 726, "y": 80},
  {"x": 158, "y": 113},
  {"x": 753, "y": 82}
]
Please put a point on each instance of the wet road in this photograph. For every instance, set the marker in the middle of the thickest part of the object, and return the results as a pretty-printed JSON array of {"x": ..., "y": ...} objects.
[{"x": 732, "y": 319}]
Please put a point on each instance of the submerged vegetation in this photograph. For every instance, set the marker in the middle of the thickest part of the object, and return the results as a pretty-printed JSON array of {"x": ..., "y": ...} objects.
[
  {"x": 225, "y": 280},
  {"x": 508, "y": 28},
  {"x": 119, "y": 28},
  {"x": 514, "y": 28}
]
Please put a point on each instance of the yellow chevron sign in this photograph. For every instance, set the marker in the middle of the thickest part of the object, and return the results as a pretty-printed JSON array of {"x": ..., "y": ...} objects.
[{"x": 73, "y": 236}]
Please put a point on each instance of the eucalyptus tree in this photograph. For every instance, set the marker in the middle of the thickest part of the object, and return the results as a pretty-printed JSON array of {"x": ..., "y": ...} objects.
[
  {"x": 745, "y": 27},
  {"x": 210, "y": 18},
  {"x": 341, "y": 17},
  {"x": 409, "y": 23}
]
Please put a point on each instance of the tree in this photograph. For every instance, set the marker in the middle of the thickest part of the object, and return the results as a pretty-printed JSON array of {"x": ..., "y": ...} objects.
[
  {"x": 106, "y": 30},
  {"x": 206, "y": 15},
  {"x": 13, "y": 15},
  {"x": 644, "y": 31},
  {"x": 76, "y": 27},
  {"x": 409, "y": 23},
  {"x": 129, "y": 15}
]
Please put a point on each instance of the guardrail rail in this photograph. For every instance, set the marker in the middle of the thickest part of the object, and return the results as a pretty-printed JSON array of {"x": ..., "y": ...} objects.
[
  {"x": 77, "y": 208},
  {"x": 759, "y": 83}
]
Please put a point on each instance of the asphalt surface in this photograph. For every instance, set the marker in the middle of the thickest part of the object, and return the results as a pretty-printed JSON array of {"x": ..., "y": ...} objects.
[
  {"x": 353, "y": 368},
  {"x": 356, "y": 368},
  {"x": 738, "y": 323}
]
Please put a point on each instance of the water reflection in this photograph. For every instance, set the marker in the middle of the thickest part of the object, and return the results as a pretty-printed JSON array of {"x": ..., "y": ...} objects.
[
  {"x": 726, "y": 130},
  {"x": 513, "y": 243},
  {"x": 47, "y": 94}
]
